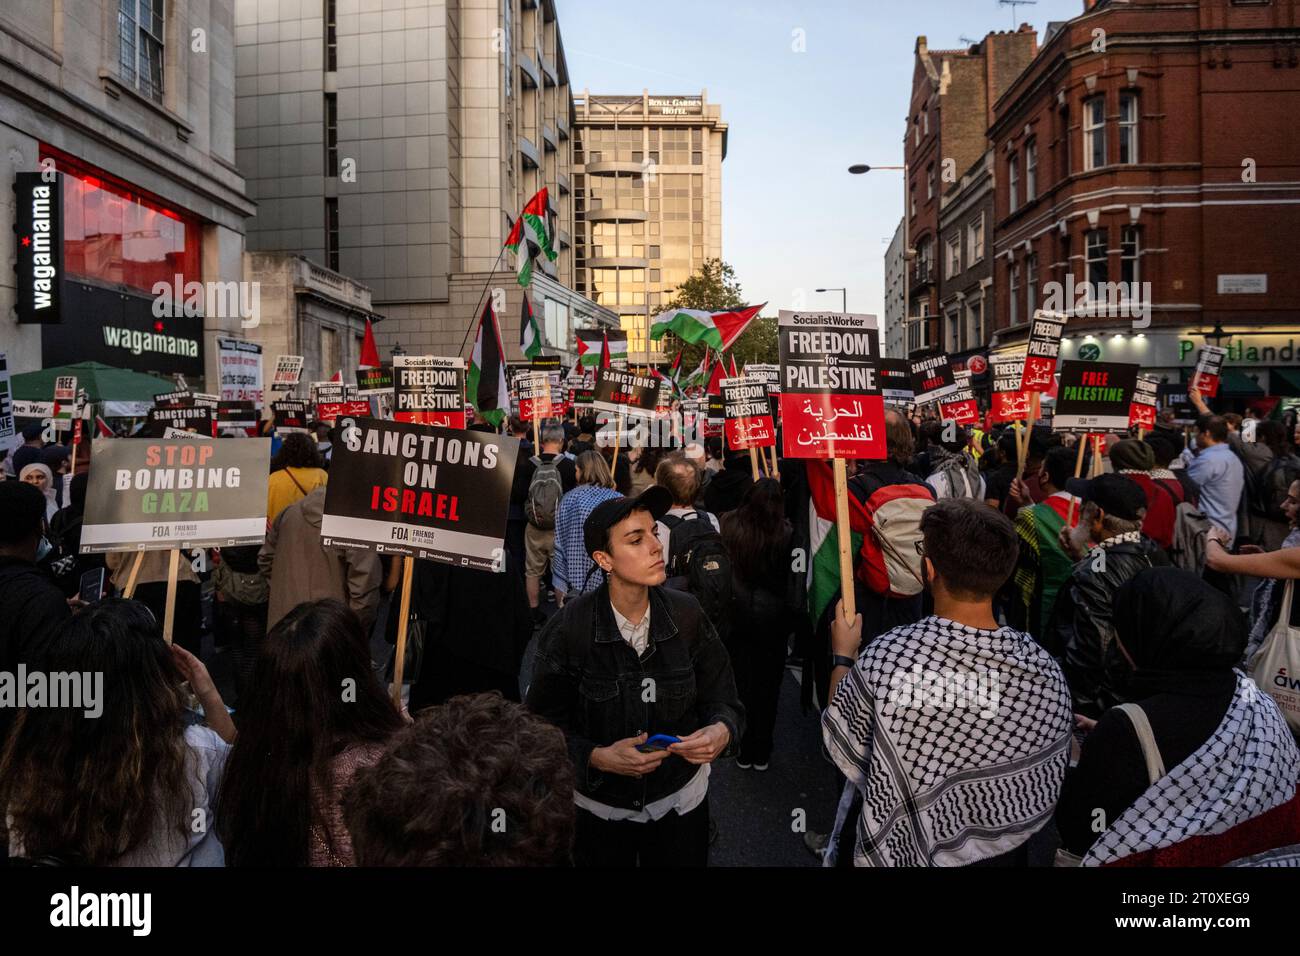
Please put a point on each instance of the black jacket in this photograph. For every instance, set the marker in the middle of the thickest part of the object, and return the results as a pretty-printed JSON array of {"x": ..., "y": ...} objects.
[
  {"x": 590, "y": 683},
  {"x": 32, "y": 609},
  {"x": 1081, "y": 632}
]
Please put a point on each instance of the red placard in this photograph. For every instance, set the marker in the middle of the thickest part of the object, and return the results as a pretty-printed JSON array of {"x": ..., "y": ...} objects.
[
  {"x": 743, "y": 433},
  {"x": 441, "y": 419},
  {"x": 1009, "y": 407},
  {"x": 1038, "y": 373},
  {"x": 330, "y": 412},
  {"x": 812, "y": 425},
  {"x": 1141, "y": 416},
  {"x": 965, "y": 412}
]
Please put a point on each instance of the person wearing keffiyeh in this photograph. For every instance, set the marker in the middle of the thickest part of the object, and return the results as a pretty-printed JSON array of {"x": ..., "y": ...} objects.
[
  {"x": 1216, "y": 779},
  {"x": 952, "y": 733}
]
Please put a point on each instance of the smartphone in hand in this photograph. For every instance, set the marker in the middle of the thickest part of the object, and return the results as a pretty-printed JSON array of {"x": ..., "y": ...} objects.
[
  {"x": 657, "y": 742},
  {"x": 91, "y": 590}
]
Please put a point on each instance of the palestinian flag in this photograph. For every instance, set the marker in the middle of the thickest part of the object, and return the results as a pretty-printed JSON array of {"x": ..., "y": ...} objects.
[
  {"x": 102, "y": 430},
  {"x": 734, "y": 373},
  {"x": 591, "y": 344},
  {"x": 675, "y": 373},
  {"x": 717, "y": 329},
  {"x": 604, "y": 352},
  {"x": 529, "y": 237},
  {"x": 369, "y": 353},
  {"x": 715, "y": 380},
  {"x": 824, "y": 542},
  {"x": 530, "y": 336},
  {"x": 486, "y": 381}
]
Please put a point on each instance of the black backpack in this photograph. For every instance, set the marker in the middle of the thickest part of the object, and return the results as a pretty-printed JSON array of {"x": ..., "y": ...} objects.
[
  {"x": 1266, "y": 491},
  {"x": 697, "y": 563}
]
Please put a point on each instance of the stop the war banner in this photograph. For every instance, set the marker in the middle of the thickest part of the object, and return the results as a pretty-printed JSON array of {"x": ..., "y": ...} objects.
[
  {"x": 1042, "y": 351},
  {"x": 1209, "y": 366},
  {"x": 436, "y": 493},
  {"x": 150, "y": 494},
  {"x": 1010, "y": 403},
  {"x": 1094, "y": 396},
  {"x": 748, "y": 421},
  {"x": 960, "y": 406},
  {"x": 831, "y": 406},
  {"x": 932, "y": 379},
  {"x": 1142, "y": 413},
  {"x": 620, "y": 390},
  {"x": 429, "y": 390}
]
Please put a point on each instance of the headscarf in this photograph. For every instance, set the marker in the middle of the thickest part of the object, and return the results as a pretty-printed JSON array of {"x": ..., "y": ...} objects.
[
  {"x": 1178, "y": 630},
  {"x": 1129, "y": 454},
  {"x": 51, "y": 505}
]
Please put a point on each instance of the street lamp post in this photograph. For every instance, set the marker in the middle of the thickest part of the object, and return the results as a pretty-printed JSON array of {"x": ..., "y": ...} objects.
[
  {"x": 857, "y": 169},
  {"x": 844, "y": 296}
]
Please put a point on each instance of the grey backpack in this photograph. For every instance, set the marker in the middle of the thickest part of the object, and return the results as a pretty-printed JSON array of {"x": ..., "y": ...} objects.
[{"x": 544, "y": 493}]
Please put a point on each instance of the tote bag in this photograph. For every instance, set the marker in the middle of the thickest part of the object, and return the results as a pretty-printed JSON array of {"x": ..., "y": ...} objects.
[{"x": 1275, "y": 668}]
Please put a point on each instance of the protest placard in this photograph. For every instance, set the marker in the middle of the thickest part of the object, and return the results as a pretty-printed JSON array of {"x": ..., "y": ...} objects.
[
  {"x": 1209, "y": 367},
  {"x": 197, "y": 418},
  {"x": 429, "y": 390},
  {"x": 328, "y": 392},
  {"x": 436, "y": 493},
  {"x": 290, "y": 415},
  {"x": 769, "y": 374},
  {"x": 153, "y": 494},
  {"x": 618, "y": 390},
  {"x": 831, "y": 405},
  {"x": 960, "y": 406},
  {"x": 331, "y": 412},
  {"x": 896, "y": 380},
  {"x": 1010, "y": 402},
  {"x": 170, "y": 433},
  {"x": 932, "y": 379},
  {"x": 288, "y": 370},
  {"x": 747, "y": 418},
  {"x": 1142, "y": 412},
  {"x": 8, "y": 429},
  {"x": 1042, "y": 351},
  {"x": 239, "y": 369},
  {"x": 1094, "y": 396},
  {"x": 241, "y": 415},
  {"x": 65, "y": 389},
  {"x": 375, "y": 381},
  {"x": 534, "y": 396}
]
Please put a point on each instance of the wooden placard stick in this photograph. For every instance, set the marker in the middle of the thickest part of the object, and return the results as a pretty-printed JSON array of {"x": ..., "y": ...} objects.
[
  {"x": 169, "y": 616},
  {"x": 753, "y": 462},
  {"x": 1078, "y": 471},
  {"x": 776, "y": 469},
  {"x": 618, "y": 438},
  {"x": 404, "y": 612},
  {"x": 845, "y": 538},
  {"x": 131, "y": 579}
]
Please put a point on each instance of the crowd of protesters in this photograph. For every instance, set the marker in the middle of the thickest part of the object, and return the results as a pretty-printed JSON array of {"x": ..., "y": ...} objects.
[{"x": 1049, "y": 653}]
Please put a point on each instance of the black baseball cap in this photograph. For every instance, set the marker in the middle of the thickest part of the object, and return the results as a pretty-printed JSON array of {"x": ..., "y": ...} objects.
[
  {"x": 655, "y": 499},
  {"x": 1113, "y": 494}
]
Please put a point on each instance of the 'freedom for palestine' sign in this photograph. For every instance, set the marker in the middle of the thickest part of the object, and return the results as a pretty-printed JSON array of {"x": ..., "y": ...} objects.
[
  {"x": 831, "y": 405},
  {"x": 149, "y": 495},
  {"x": 748, "y": 413},
  {"x": 429, "y": 390},
  {"x": 421, "y": 491}
]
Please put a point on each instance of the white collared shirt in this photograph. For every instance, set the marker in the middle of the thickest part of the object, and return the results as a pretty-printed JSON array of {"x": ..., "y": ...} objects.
[{"x": 638, "y": 635}]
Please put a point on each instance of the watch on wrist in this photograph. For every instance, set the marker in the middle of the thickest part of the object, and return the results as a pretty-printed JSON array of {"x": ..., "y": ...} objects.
[{"x": 839, "y": 660}]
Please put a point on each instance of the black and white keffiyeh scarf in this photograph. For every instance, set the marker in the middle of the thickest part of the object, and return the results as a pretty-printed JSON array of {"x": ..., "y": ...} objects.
[
  {"x": 1247, "y": 767},
  {"x": 957, "y": 738}
]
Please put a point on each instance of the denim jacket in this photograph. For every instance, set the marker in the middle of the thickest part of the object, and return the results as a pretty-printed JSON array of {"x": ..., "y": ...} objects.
[{"x": 590, "y": 683}]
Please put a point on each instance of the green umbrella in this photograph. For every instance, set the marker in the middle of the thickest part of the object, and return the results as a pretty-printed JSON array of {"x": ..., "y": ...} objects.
[{"x": 102, "y": 383}]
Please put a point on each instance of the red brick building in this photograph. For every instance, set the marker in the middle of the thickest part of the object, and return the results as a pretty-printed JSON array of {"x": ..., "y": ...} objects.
[
  {"x": 948, "y": 118},
  {"x": 1154, "y": 143}
]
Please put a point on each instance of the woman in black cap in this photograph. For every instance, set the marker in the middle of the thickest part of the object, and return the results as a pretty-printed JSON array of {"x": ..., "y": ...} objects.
[{"x": 636, "y": 677}]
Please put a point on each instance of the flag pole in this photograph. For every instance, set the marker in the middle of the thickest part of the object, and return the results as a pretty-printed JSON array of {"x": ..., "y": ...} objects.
[{"x": 478, "y": 308}]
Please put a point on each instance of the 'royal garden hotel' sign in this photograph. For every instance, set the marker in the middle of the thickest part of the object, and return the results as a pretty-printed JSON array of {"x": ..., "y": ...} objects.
[{"x": 39, "y": 240}]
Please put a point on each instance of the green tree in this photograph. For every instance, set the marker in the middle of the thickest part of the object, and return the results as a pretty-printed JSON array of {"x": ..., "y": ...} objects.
[{"x": 715, "y": 288}]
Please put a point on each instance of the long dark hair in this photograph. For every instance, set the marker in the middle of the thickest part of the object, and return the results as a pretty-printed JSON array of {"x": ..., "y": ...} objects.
[
  {"x": 297, "y": 451},
  {"x": 756, "y": 531},
  {"x": 312, "y": 694},
  {"x": 88, "y": 790}
]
